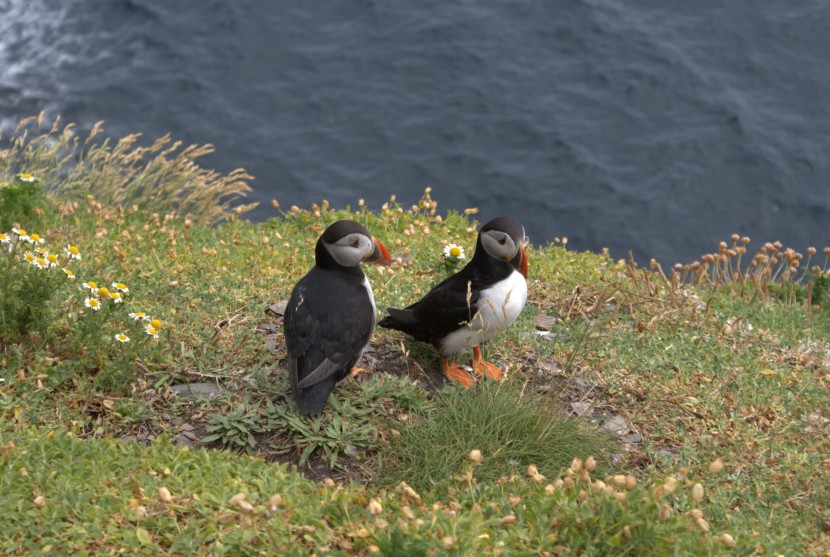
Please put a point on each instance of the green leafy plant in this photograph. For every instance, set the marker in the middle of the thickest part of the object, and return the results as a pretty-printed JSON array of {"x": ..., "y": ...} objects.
[
  {"x": 19, "y": 200},
  {"x": 235, "y": 429}
]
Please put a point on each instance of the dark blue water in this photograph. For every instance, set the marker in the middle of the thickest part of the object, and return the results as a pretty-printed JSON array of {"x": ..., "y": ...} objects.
[{"x": 660, "y": 126}]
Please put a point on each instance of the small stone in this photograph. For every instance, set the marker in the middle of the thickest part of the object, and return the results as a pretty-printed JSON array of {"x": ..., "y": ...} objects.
[
  {"x": 182, "y": 440},
  {"x": 581, "y": 384},
  {"x": 194, "y": 390},
  {"x": 618, "y": 425},
  {"x": 634, "y": 438},
  {"x": 545, "y": 322},
  {"x": 581, "y": 408},
  {"x": 277, "y": 309}
]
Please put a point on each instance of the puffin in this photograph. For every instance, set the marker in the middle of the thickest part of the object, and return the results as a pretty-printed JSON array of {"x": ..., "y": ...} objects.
[
  {"x": 331, "y": 313},
  {"x": 475, "y": 304}
]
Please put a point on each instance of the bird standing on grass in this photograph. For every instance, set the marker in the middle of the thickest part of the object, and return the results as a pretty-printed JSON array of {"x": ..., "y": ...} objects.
[
  {"x": 331, "y": 313},
  {"x": 473, "y": 305}
]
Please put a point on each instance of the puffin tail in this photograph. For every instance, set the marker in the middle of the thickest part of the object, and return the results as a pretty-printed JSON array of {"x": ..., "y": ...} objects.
[{"x": 404, "y": 320}]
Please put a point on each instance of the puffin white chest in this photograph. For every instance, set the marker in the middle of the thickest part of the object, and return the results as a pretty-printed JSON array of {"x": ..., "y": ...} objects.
[{"x": 497, "y": 309}]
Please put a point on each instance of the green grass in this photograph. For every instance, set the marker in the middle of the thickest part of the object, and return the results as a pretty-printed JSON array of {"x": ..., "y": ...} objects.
[
  {"x": 723, "y": 370},
  {"x": 511, "y": 428}
]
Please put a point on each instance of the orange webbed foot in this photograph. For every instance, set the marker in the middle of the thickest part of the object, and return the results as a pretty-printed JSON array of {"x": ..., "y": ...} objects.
[
  {"x": 485, "y": 368},
  {"x": 355, "y": 371},
  {"x": 457, "y": 373}
]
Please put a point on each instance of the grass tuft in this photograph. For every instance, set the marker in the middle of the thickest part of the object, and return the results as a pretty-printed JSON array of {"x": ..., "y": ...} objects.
[{"x": 512, "y": 429}]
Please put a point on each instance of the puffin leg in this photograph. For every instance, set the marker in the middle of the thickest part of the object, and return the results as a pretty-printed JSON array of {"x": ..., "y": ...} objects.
[
  {"x": 485, "y": 368},
  {"x": 355, "y": 371},
  {"x": 457, "y": 373}
]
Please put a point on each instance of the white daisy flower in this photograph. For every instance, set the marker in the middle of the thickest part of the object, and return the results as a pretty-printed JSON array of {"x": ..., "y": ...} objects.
[
  {"x": 34, "y": 239},
  {"x": 121, "y": 337},
  {"x": 454, "y": 251},
  {"x": 138, "y": 316},
  {"x": 121, "y": 287},
  {"x": 52, "y": 260},
  {"x": 5, "y": 238},
  {"x": 29, "y": 257},
  {"x": 22, "y": 235},
  {"x": 116, "y": 298},
  {"x": 152, "y": 331},
  {"x": 72, "y": 252},
  {"x": 41, "y": 263},
  {"x": 69, "y": 274},
  {"x": 26, "y": 177},
  {"x": 91, "y": 286},
  {"x": 92, "y": 303},
  {"x": 42, "y": 251}
]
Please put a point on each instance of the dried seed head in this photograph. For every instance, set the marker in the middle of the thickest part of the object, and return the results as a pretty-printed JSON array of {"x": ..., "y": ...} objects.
[
  {"x": 245, "y": 507},
  {"x": 598, "y": 486},
  {"x": 447, "y": 542},
  {"x": 549, "y": 489},
  {"x": 697, "y": 492},
  {"x": 590, "y": 464},
  {"x": 702, "y": 525},
  {"x": 164, "y": 495},
  {"x": 374, "y": 507},
  {"x": 576, "y": 465},
  {"x": 735, "y": 237},
  {"x": 630, "y": 482},
  {"x": 532, "y": 470},
  {"x": 619, "y": 480},
  {"x": 665, "y": 511},
  {"x": 475, "y": 456},
  {"x": 275, "y": 502},
  {"x": 811, "y": 251},
  {"x": 727, "y": 540},
  {"x": 141, "y": 512},
  {"x": 236, "y": 499},
  {"x": 514, "y": 500},
  {"x": 328, "y": 482},
  {"x": 696, "y": 513},
  {"x": 39, "y": 501},
  {"x": 509, "y": 519},
  {"x": 745, "y": 240},
  {"x": 716, "y": 466},
  {"x": 827, "y": 250}
]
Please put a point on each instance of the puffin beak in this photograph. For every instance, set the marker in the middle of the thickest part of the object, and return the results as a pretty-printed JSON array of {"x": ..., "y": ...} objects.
[
  {"x": 523, "y": 262},
  {"x": 379, "y": 255}
]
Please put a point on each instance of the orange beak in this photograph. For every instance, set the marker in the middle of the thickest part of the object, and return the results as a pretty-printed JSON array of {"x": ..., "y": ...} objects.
[
  {"x": 379, "y": 255},
  {"x": 523, "y": 263}
]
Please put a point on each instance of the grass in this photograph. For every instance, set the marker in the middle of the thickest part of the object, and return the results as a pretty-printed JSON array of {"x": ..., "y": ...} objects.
[
  {"x": 513, "y": 429},
  {"x": 706, "y": 364}
]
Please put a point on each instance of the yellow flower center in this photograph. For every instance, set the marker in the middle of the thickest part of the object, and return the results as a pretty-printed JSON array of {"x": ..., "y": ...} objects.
[
  {"x": 52, "y": 258},
  {"x": 455, "y": 251},
  {"x": 21, "y": 232},
  {"x": 93, "y": 303},
  {"x": 120, "y": 286},
  {"x": 103, "y": 292},
  {"x": 26, "y": 176},
  {"x": 155, "y": 324},
  {"x": 73, "y": 250},
  {"x": 92, "y": 285},
  {"x": 35, "y": 237}
]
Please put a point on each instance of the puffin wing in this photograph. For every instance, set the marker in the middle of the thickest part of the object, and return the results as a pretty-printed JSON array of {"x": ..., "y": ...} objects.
[
  {"x": 447, "y": 307},
  {"x": 322, "y": 347}
]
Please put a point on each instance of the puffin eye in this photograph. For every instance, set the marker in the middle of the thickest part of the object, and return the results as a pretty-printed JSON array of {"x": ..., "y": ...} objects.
[
  {"x": 356, "y": 243},
  {"x": 503, "y": 240}
]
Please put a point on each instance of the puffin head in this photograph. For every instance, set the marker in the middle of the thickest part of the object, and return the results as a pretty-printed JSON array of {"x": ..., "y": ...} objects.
[
  {"x": 348, "y": 243},
  {"x": 503, "y": 238}
]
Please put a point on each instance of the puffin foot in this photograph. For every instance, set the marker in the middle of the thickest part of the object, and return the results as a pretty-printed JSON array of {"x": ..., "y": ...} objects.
[
  {"x": 457, "y": 373},
  {"x": 485, "y": 368},
  {"x": 356, "y": 370}
]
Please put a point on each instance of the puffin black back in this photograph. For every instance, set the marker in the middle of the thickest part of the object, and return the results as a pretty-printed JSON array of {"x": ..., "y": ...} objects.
[{"x": 331, "y": 313}]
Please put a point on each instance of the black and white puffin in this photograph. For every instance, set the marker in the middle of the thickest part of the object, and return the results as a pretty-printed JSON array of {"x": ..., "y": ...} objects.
[
  {"x": 473, "y": 305},
  {"x": 331, "y": 313}
]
